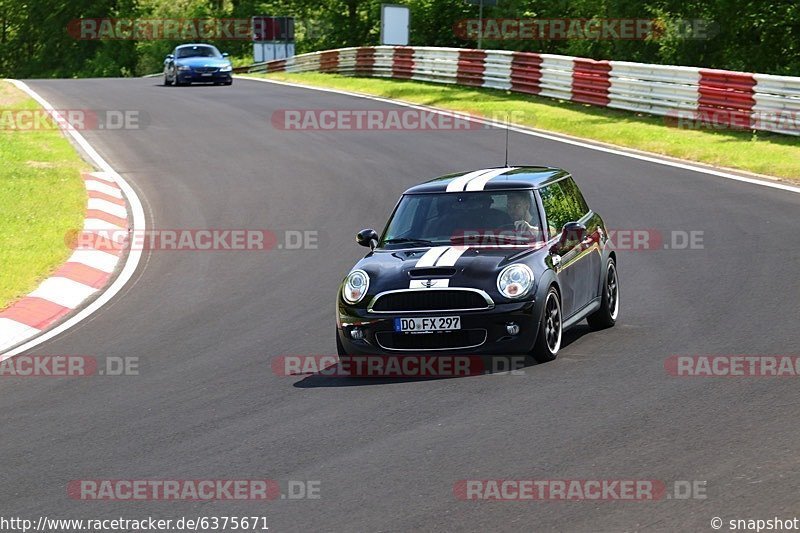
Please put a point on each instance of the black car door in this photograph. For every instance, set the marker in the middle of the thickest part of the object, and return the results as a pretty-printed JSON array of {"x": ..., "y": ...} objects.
[{"x": 571, "y": 248}]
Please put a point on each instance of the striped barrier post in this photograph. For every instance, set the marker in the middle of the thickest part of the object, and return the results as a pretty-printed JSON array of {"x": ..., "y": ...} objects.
[
  {"x": 471, "y": 65},
  {"x": 365, "y": 60},
  {"x": 276, "y": 66},
  {"x": 726, "y": 97},
  {"x": 403, "y": 62},
  {"x": 329, "y": 61},
  {"x": 526, "y": 73},
  {"x": 591, "y": 82}
]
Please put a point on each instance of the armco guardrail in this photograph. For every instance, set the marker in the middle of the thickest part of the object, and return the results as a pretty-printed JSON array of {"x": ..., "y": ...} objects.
[{"x": 688, "y": 96}]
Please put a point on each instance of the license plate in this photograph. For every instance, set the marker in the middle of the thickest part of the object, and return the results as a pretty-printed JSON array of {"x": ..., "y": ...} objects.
[
  {"x": 427, "y": 324},
  {"x": 206, "y": 74}
]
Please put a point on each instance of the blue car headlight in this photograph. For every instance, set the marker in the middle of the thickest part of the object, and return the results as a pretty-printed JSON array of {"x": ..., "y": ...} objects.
[
  {"x": 226, "y": 68},
  {"x": 183, "y": 67}
]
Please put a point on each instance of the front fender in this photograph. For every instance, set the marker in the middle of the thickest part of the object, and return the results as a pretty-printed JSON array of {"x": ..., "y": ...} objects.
[{"x": 547, "y": 280}]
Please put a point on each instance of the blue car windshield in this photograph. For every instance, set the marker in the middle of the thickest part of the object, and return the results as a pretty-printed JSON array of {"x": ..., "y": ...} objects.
[
  {"x": 198, "y": 51},
  {"x": 465, "y": 218}
]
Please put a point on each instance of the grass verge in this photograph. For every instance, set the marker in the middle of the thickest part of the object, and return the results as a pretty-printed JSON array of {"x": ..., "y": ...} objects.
[
  {"x": 763, "y": 153},
  {"x": 42, "y": 197}
]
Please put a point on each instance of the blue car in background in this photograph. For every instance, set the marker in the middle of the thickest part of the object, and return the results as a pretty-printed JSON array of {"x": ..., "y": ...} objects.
[{"x": 197, "y": 63}]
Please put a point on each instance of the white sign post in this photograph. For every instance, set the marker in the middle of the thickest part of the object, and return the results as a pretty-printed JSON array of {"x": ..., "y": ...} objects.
[{"x": 394, "y": 24}]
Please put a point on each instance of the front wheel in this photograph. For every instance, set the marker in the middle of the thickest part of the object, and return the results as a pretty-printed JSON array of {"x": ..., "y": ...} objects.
[
  {"x": 548, "y": 341},
  {"x": 606, "y": 316}
]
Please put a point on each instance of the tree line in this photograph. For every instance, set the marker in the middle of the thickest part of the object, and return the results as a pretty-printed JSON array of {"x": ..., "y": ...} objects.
[{"x": 38, "y": 38}]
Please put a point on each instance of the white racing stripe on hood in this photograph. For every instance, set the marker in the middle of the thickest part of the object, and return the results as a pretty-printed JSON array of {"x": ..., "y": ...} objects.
[
  {"x": 478, "y": 183},
  {"x": 457, "y": 184},
  {"x": 450, "y": 257},
  {"x": 430, "y": 257}
]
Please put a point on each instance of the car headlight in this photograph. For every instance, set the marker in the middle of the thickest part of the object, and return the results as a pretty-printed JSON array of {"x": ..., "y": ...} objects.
[
  {"x": 515, "y": 280},
  {"x": 182, "y": 67},
  {"x": 355, "y": 286},
  {"x": 226, "y": 68}
]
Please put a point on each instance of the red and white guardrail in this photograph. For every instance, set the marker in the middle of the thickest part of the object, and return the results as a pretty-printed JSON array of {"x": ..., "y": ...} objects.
[{"x": 687, "y": 95}]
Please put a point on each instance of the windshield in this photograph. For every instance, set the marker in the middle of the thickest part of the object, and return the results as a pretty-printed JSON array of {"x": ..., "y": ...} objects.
[
  {"x": 198, "y": 51},
  {"x": 469, "y": 218}
]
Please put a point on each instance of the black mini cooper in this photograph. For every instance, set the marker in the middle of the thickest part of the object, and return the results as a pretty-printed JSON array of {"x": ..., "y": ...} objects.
[{"x": 496, "y": 261}]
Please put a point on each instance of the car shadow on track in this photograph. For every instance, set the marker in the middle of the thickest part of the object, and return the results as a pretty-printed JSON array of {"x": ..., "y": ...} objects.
[
  {"x": 187, "y": 86},
  {"x": 339, "y": 375}
]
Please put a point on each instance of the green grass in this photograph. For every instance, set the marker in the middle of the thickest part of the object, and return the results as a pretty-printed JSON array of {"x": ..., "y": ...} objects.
[
  {"x": 42, "y": 198},
  {"x": 763, "y": 153}
]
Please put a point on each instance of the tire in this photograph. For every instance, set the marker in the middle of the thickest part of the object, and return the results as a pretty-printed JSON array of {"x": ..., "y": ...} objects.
[
  {"x": 606, "y": 316},
  {"x": 339, "y": 347},
  {"x": 228, "y": 83},
  {"x": 551, "y": 329}
]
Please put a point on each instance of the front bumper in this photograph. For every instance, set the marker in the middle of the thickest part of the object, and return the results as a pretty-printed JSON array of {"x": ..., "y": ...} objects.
[
  {"x": 190, "y": 76},
  {"x": 487, "y": 335}
]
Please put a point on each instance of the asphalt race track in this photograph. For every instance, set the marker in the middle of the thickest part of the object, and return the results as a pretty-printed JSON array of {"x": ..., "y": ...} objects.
[{"x": 206, "y": 326}]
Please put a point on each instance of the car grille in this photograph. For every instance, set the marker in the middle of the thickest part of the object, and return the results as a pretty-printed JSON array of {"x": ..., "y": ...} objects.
[
  {"x": 446, "y": 340},
  {"x": 205, "y": 70},
  {"x": 426, "y": 300}
]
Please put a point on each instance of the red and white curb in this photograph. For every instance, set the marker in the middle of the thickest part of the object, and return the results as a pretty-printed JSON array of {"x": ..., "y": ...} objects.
[
  {"x": 87, "y": 271},
  {"x": 80, "y": 278}
]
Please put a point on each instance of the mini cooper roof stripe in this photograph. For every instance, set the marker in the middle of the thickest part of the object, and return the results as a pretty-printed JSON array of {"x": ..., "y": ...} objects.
[
  {"x": 477, "y": 184},
  {"x": 430, "y": 257},
  {"x": 450, "y": 257},
  {"x": 457, "y": 184}
]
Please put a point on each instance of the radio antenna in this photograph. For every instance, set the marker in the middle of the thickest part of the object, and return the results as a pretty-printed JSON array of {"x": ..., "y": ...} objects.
[{"x": 506, "y": 139}]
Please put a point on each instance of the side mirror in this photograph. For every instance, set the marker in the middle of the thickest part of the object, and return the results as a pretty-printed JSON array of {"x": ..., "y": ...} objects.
[
  {"x": 571, "y": 233},
  {"x": 170, "y": 56},
  {"x": 225, "y": 54},
  {"x": 367, "y": 237}
]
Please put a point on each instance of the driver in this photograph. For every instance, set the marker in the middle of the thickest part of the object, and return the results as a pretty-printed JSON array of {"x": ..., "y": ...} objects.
[{"x": 519, "y": 209}]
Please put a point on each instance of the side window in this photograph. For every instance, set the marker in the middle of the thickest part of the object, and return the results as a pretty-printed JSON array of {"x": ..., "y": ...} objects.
[
  {"x": 576, "y": 198},
  {"x": 563, "y": 203}
]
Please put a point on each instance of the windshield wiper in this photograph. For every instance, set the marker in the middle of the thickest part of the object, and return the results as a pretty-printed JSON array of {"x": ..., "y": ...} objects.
[{"x": 406, "y": 240}]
